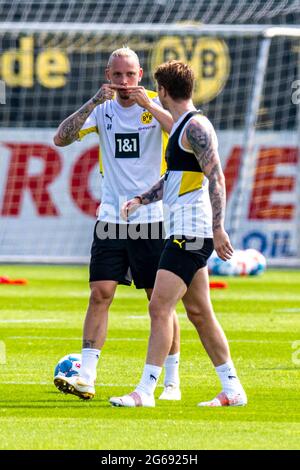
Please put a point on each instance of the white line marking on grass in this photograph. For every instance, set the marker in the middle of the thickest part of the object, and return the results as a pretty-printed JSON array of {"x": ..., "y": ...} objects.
[
  {"x": 137, "y": 317},
  {"x": 287, "y": 310},
  {"x": 51, "y": 383},
  {"x": 24, "y": 383},
  {"x": 258, "y": 341},
  {"x": 264, "y": 298},
  {"x": 32, "y": 320},
  {"x": 147, "y": 317},
  {"x": 55, "y": 338}
]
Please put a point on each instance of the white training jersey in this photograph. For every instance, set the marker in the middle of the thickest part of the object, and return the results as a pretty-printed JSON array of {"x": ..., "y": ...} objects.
[
  {"x": 187, "y": 207},
  {"x": 132, "y": 147}
]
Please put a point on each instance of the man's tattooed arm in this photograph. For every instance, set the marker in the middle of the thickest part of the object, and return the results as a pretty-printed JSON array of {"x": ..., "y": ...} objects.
[
  {"x": 205, "y": 149},
  {"x": 154, "y": 194},
  {"x": 68, "y": 130}
]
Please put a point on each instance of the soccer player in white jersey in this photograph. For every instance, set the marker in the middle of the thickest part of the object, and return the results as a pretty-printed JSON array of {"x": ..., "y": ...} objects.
[
  {"x": 132, "y": 128},
  {"x": 193, "y": 191}
]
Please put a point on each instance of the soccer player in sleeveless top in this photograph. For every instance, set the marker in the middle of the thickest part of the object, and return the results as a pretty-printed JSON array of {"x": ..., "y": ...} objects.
[
  {"x": 132, "y": 128},
  {"x": 193, "y": 193}
]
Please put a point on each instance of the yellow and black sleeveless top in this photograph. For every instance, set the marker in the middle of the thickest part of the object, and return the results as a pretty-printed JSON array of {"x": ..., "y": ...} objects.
[{"x": 187, "y": 208}]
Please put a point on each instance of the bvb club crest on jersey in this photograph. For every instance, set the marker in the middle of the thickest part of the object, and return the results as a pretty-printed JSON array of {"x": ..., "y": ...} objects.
[{"x": 146, "y": 117}]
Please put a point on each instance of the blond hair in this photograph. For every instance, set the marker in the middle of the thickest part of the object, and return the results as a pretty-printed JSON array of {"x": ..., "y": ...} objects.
[{"x": 123, "y": 52}]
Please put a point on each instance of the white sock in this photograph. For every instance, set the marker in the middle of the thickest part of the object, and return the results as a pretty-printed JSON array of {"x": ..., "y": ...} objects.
[
  {"x": 88, "y": 370},
  {"x": 149, "y": 379},
  {"x": 228, "y": 377},
  {"x": 172, "y": 369}
]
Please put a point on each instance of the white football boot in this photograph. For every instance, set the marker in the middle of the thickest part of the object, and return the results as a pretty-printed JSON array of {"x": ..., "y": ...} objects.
[
  {"x": 76, "y": 386},
  {"x": 171, "y": 392},
  {"x": 226, "y": 399},
  {"x": 133, "y": 399}
]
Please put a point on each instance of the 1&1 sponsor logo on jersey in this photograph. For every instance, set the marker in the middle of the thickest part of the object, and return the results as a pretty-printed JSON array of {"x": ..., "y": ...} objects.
[{"x": 127, "y": 145}]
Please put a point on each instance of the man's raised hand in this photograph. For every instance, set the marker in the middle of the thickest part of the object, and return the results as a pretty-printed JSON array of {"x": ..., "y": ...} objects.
[
  {"x": 106, "y": 92},
  {"x": 129, "y": 207},
  {"x": 139, "y": 95}
]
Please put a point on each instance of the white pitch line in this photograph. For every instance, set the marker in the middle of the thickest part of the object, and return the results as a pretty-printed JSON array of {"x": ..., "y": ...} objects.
[
  {"x": 287, "y": 310},
  {"x": 147, "y": 317},
  {"x": 55, "y": 338},
  {"x": 52, "y": 338},
  {"x": 260, "y": 341},
  {"x": 137, "y": 317},
  {"x": 51, "y": 383},
  {"x": 24, "y": 383},
  {"x": 32, "y": 320}
]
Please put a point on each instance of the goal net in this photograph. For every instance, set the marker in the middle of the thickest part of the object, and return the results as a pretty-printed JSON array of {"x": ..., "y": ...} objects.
[{"x": 245, "y": 56}]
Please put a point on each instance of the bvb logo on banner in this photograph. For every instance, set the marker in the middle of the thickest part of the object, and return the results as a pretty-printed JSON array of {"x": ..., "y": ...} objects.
[{"x": 208, "y": 57}]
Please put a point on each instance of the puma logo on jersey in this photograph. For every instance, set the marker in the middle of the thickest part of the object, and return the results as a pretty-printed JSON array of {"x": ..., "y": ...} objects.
[
  {"x": 109, "y": 117},
  {"x": 179, "y": 243}
]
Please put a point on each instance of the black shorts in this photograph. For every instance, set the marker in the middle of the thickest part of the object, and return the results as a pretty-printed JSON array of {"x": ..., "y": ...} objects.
[
  {"x": 119, "y": 254},
  {"x": 185, "y": 255}
]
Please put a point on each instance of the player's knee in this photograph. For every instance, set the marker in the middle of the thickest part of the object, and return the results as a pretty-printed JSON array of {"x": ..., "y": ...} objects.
[
  {"x": 100, "y": 295},
  {"x": 195, "y": 317},
  {"x": 158, "y": 310}
]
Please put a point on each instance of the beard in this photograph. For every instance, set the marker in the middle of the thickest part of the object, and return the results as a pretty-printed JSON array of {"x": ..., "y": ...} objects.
[{"x": 124, "y": 95}]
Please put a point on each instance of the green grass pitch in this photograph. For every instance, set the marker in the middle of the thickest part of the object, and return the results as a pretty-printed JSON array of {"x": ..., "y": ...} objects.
[{"x": 42, "y": 322}]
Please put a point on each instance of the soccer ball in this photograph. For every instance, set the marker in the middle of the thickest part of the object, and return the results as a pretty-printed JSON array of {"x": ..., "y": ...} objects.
[
  {"x": 217, "y": 267},
  {"x": 68, "y": 366},
  {"x": 243, "y": 263},
  {"x": 259, "y": 262}
]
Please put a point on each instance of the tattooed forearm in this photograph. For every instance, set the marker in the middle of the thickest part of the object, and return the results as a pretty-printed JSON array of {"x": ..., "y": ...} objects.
[
  {"x": 154, "y": 194},
  {"x": 205, "y": 149},
  {"x": 70, "y": 127},
  {"x": 217, "y": 194}
]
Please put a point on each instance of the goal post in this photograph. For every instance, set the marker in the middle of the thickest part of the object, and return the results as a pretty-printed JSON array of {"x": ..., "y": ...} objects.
[
  {"x": 244, "y": 84},
  {"x": 249, "y": 156}
]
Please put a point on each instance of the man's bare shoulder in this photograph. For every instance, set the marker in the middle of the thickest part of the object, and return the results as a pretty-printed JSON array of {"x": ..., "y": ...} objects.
[
  {"x": 200, "y": 129},
  {"x": 200, "y": 121}
]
